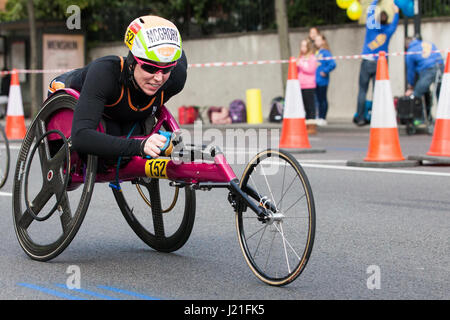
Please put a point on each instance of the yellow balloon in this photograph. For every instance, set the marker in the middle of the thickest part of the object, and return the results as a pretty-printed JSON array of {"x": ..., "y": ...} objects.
[
  {"x": 354, "y": 11},
  {"x": 344, "y": 4}
]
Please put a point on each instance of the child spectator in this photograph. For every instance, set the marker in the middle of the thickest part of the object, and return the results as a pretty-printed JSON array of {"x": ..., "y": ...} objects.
[
  {"x": 313, "y": 33},
  {"x": 307, "y": 65},
  {"x": 324, "y": 67}
]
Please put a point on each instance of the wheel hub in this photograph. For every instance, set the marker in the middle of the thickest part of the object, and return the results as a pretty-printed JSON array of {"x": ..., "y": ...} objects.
[
  {"x": 50, "y": 175},
  {"x": 275, "y": 217}
]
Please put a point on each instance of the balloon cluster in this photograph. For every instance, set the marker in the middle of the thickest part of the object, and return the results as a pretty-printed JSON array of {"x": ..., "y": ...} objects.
[
  {"x": 406, "y": 6},
  {"x": 353, "y": 8}
]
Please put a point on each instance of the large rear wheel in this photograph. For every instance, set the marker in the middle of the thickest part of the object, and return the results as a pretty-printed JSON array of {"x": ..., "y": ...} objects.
[
  {"x": 43, "y": 180},
  {"x": 161, "y": 215}
]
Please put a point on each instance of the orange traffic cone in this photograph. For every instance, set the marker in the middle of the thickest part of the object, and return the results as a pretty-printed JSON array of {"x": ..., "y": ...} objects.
[
  {"x": 15, "y": 120},
  {"x": 384, "y": 142},
  {"x": 294, "y": 136},
  {"x": 440, "y": 145}
]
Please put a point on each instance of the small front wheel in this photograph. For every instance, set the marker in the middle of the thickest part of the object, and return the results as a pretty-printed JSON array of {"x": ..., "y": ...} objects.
[{"x": 278, "y": 247}]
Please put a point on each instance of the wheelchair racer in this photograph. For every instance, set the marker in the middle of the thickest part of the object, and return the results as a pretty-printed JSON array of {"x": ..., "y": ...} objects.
[{"x": 126, "y": 92}]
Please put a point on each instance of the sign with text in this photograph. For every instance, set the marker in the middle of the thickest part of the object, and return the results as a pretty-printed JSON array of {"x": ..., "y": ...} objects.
[{"x": 61, "y": 51}]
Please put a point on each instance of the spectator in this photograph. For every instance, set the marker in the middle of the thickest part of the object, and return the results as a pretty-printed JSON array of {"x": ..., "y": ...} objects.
[
  {"x": 4, "y": 92},
  {"x": 378, "y": 35},
  {"x": 324, "y": 67},
  {"x": 307, "y": 65},
  {"x": 421, "y": 69},
  {"x": 313, "y": 33}
]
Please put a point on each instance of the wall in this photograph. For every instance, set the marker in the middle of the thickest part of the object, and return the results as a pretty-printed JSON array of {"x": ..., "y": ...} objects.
[{"x": 220, "y": 85}]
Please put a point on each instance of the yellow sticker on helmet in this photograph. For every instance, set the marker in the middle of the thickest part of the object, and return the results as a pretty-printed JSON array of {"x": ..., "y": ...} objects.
[
  {"x": 129, "y": 38},
  {"x": 156, "y": 168}
]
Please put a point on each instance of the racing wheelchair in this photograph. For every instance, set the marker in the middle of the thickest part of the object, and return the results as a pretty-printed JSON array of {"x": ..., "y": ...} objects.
[{"x": 273, "y": 201}]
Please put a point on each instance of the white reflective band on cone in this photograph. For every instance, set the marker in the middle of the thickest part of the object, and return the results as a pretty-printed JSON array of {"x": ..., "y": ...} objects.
[
  {"x": 294, "y": 108},
  {"x": 383, "y": 110}
]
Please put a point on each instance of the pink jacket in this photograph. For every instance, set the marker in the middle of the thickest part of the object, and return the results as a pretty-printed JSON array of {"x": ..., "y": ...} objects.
[{"x": 307, "y": 71}]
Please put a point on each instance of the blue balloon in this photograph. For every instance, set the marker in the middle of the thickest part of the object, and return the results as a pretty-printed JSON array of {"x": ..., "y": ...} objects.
[
  {"x": 406, "y": 6},
  {"x": 400, "y": 3},
  {"x": 409, "y": 10}
]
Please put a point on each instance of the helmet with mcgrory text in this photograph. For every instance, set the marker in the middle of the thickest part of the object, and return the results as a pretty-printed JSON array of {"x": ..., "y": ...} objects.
[{"x": 153, "y": 38}]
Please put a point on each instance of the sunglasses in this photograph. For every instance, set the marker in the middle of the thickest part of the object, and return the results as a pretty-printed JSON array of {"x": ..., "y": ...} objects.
[{"x": 154, "y": 68}]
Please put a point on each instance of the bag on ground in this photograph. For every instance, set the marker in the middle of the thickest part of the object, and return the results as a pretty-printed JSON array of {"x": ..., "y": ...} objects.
[
  {"x": 187, "y": 114},
  {"x": 276, "y": 109},
  {"x": 238, "y": 111},
  {"x": 219, "y": 115}
]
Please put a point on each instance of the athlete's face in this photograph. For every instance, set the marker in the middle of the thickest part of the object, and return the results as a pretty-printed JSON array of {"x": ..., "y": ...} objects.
[{"x": 150, "y": 83}]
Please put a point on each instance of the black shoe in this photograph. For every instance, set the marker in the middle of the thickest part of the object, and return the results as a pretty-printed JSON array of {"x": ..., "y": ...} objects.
[{"x": 361, "y": 123}]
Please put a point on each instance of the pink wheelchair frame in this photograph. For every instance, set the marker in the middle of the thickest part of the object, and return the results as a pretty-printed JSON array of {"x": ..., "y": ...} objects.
[{"x": 201, "y": 175}]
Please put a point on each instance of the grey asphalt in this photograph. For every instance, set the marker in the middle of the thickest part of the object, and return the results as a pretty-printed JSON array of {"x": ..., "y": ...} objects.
[{"x": 397, "y": 220}]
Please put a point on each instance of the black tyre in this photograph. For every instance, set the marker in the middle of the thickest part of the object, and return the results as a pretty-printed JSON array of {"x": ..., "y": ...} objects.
[
  {"x": 4, "y": 157},
  {"x": 44, "y": 240},
  {"x": 278, "y": 248},
  {"x": 164, "y": 226}
]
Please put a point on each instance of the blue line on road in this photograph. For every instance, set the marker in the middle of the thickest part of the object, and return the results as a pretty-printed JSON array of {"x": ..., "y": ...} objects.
[
  {"x": 130, "y": 293},
  {"x": 50, "y": 291},
  {"x": 88, "y": 292}
]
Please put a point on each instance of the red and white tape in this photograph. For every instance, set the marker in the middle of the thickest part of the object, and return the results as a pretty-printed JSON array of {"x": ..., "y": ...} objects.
[{"x": 248, "y": 63}]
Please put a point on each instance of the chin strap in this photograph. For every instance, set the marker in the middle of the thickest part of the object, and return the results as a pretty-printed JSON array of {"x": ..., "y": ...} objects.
[{"x": 131, "y": 64}]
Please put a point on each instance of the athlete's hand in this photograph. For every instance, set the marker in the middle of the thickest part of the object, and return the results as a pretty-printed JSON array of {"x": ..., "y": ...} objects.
[{"x": 153, "y": 144}]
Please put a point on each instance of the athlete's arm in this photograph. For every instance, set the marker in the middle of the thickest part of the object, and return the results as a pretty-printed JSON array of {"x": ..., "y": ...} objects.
[{"x": 99, "y": 88}]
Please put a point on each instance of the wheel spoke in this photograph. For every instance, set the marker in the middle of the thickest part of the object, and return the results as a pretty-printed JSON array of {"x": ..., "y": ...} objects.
[
  {"x": 44, "y": 150},
  {"x": 284, "y": 246},
  {"x": 59, "y": 157},
  {"x": 268, "y": 185},
  {"x": 303, "y": 196},
  {"x": 287, "y": 242},
  {"x": 36, "y": 205},
  {"x": 155, "y": 199},
  {"x": 290, "y": 185},
  {"x": 270, "y": 250},
  {"x": 65, "y": 213},
  {"x": 262, "y": 235}
]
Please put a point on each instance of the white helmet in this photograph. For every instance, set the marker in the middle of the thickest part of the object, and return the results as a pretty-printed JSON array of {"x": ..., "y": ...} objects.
[{"x": 154, "y": 38}]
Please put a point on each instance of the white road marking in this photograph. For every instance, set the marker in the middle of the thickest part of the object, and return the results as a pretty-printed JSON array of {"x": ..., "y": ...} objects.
[{"x": 379, "y": 170}]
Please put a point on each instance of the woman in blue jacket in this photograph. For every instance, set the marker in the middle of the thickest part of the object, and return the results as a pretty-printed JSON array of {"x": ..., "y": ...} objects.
[{"x": 323, "y": 76}]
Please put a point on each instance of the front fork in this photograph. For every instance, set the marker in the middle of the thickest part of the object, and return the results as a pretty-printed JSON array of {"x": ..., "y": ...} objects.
[{"x": 240, "y": 201}]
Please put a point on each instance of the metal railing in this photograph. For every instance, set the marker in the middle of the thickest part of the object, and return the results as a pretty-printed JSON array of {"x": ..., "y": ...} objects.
[
  {"x": 434, "y": 8},
  {"x": 244, "y": 16}
]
